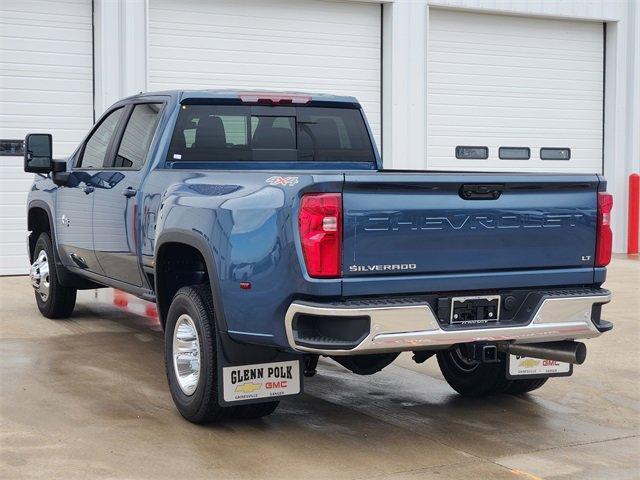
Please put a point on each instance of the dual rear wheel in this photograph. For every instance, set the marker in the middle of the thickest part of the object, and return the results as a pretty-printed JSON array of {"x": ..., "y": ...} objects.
[
  {"x": 191, "y": 360},
  {"x": 471, "y": 378}
]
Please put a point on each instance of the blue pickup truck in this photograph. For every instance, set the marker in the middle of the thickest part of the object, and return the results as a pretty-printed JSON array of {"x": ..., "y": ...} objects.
[{"x": 268, "y": 234}]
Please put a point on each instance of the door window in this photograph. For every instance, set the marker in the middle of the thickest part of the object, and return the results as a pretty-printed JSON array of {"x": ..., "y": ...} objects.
[
  {"x": 96, "y": 147},
  {"x": 137, "y": 137}
]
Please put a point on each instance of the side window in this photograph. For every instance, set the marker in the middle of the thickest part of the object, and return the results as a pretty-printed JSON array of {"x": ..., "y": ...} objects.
[
  {"x": 137, "y": 136},
  {"x": 96, "y": 147}
]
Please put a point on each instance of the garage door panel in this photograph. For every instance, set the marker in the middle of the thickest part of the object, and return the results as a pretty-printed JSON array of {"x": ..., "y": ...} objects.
[
  {"x": 553, "y": 64},
  {"x": 516, "y": 43},
  {"x": 276, "y": 15},
  {"x": 46, "y": 85},
  {"x": 46, "y": 58},
  {"x": 170, "y": 78},
  {"x": 328, "y": 47},
  {"x": 290, "y": 58},
  {"x": 491, "y": 86},
  {"x": 514, "y": 81},
  {"x": 274, "y": 65},
  {"x": 550, "y": 124},
  {"x": 493, "y": 136},
  {"x": 582, "y": 118},
  {"x": 493, "y": 79},
  {"x": 367, "y": 47},
  {"x": 23, "y": 85},
  {"x": 182, "y": 33},
  {"x": 507, "y": 101},
  {"x": 263, "y": 27},
  {"x": 36, "y": 40},
  {"x": 550, "y": 73},
  {"x": 505, "y": 53},
  {"x": 517, "y": 28},
  {"x": 43, "y": 109}
]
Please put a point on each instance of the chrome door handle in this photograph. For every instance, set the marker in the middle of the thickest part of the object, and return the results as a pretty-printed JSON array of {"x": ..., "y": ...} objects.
[
  {"x": 129, "y": 192},
  {"x": 88, "y": 189}
]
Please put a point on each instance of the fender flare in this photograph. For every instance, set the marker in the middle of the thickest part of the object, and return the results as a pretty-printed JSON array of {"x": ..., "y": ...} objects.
[
  {"x": 61, "y": 272},
  {"x": 65, "y": 277},
  {"x": 198, "y": 242},
  {"x": 230, "y": 352}
]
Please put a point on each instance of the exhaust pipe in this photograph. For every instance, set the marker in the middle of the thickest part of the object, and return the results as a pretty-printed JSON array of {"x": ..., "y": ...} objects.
[{"x": 566, "y": 351}]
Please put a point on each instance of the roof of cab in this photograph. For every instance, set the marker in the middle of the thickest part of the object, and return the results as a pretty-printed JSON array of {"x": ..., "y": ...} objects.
[{"x": 228, "y": 94}]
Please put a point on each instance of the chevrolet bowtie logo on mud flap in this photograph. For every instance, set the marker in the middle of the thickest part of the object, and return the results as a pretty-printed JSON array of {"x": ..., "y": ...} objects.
[
  {"x": 470, "y": 222},
  {"x": 248, "y": 387},
  {"x": 529, "y": 363}
]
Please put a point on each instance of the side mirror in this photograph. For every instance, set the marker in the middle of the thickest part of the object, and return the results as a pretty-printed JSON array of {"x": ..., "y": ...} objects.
[{"x": 37, "y": 153}]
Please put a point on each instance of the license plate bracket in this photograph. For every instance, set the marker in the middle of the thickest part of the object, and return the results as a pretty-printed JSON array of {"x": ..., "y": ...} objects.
[
  {"x": 518, "y": 367},
  {"x": 474, "y": 310}
]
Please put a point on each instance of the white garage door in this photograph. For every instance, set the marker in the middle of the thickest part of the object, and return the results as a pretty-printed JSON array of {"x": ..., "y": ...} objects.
[
  {"x": 304, "y": 45},
  {"x": 529, "y": 83},
  {"x": 46, "y": 86}
]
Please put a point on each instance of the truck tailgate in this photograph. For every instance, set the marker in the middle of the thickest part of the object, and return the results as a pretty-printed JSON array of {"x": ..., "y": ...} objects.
[{"x": 417, "y": 223}]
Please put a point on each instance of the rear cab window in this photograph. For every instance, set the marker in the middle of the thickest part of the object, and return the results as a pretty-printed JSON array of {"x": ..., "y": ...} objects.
[{"x": 236, "y": 133}]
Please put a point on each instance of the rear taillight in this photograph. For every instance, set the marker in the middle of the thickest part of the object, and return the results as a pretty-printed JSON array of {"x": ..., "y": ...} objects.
[
  {"x": 604, "y": 236},
  {"x": 320, "y": 225}
]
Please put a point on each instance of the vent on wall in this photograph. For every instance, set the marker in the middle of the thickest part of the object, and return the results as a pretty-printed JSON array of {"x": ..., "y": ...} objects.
[
  {"x": 514, "y": 153},
  {"x": 474, "y": 153},
  {"x": 555, "y": 154}
]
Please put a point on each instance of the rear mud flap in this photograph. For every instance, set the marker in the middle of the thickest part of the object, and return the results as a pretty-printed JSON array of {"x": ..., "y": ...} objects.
[{"x": 254, "y": 374}]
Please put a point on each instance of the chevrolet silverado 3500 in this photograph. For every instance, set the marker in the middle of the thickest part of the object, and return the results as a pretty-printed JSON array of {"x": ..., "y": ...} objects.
[{"x": 268, "y": 234}]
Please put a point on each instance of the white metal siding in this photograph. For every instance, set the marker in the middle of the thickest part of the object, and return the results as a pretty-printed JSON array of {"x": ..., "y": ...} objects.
[
  {"x": 305, "y": 45},
  {"x": 46, "y": 86},
  {"x": 496, "y": 80}
]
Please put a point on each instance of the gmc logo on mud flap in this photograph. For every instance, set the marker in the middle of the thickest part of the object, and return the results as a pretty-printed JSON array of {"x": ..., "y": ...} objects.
[
  {"x": 470, "y": 222},
  {"x": 280, "y": 384}
]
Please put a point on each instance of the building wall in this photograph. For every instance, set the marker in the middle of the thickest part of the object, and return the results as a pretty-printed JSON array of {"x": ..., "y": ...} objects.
[
  {"x": 405, "y": 36},
  {"x": 121, "y": 69}
]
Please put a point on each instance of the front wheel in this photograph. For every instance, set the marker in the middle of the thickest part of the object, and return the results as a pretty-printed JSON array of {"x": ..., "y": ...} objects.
[
  {"x": 54, "y": 300},
  {"x": 469, "y": 377},
  {"x": 192, "y": 363}
]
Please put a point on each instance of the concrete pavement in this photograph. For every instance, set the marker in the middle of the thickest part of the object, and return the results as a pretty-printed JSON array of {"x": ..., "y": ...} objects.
[{"x": 87, "y": 398}]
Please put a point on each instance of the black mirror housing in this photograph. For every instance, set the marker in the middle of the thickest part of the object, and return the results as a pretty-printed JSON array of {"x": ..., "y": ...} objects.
[
  {"x": 38, "y": 153},
  {"x": 59, "y": 173}
]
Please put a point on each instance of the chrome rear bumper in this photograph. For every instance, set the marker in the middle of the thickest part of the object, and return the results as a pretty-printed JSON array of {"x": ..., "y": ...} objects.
[{"x": 398, "y": 327}]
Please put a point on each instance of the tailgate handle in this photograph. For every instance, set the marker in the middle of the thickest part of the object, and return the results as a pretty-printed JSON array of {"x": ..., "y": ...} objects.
[{"x": 481, "y": 192}]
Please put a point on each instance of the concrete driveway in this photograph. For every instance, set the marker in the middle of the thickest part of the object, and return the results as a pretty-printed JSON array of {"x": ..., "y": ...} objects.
[{"x": 87, "y": 398}]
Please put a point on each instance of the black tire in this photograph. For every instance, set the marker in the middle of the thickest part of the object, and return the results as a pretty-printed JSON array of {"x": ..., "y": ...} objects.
[
  {"x": 519, "y": 387},
  {"x": 60, "y": 300},
  {"x": 202, "y": 405},
  {"x": 470, "y": 378}
]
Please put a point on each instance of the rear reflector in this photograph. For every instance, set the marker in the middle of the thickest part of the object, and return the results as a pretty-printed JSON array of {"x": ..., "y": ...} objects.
[
  {"x": 320, "y": 226},
  {"x": 604, "y": 236},
  {"x": 273, "y": 98}
]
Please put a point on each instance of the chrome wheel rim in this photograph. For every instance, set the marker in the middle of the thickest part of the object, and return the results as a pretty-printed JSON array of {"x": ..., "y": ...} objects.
[
  {"x": 186, "y": 354},
  {"x": 39, "y": 275}
]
